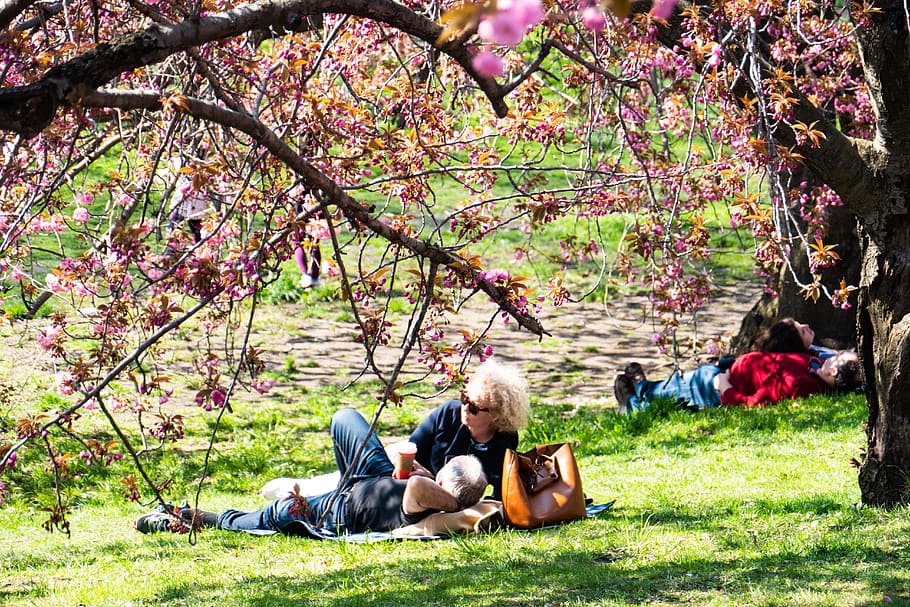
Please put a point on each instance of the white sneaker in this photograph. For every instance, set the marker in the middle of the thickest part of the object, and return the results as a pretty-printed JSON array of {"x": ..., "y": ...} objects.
[{"x": 307, "y": 281}]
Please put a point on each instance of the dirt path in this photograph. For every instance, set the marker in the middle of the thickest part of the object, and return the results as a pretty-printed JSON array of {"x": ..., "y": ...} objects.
[{"x": 576, "y": 363}]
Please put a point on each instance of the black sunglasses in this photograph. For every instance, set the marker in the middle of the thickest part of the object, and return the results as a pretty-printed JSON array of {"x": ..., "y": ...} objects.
[{"x": 472, "y": 408}]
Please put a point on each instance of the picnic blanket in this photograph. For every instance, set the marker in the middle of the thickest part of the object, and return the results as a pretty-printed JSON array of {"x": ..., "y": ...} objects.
[
  {"x": 479, "y": 518},
  {"x": 484, "y": 516}
]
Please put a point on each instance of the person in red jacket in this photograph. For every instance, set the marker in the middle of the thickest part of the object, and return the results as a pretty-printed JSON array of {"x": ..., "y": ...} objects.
[
  {"x": 754, "y": 379},
  {"x": 761, "y": 378}
]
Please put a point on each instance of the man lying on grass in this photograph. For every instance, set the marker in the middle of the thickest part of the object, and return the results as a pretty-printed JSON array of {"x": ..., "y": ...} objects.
[
  {"x": 753, "y": 380},
  {"x": 369, "y": 500}
]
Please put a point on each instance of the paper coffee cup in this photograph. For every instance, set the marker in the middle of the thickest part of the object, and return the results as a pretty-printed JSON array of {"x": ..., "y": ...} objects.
[{"x": 405, "y": 452}]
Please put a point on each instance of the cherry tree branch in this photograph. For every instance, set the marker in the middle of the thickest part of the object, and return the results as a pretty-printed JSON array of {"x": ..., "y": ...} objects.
[
  {"x": 124, "y": 440},
  {"x": 95, "y": 390},
  {"x": 352, "y": 209},
  {"x": 847, "y": 165},
  {"x": 28, "y": 109},
  {"x": 10, "y": 9}
]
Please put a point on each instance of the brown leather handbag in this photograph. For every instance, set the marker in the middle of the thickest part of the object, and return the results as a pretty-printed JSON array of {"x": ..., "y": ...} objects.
[{"x": 542, "y": 487}]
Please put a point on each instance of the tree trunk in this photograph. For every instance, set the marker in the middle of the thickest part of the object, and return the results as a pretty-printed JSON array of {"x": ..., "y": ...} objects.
[
  {"x": 884, "y": 344},
  {"x": 762, "y": 314},
  {"x": 834, "y": 328}
]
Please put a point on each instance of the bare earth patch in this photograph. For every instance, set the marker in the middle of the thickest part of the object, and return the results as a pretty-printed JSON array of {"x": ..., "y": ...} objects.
[
  {"x": 576, "y": 363},
  {"x": 586, "y": 345}
]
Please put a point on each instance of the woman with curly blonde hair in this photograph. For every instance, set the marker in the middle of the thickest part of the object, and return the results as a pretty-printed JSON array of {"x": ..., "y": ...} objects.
[{"x": 483, "y": 422}]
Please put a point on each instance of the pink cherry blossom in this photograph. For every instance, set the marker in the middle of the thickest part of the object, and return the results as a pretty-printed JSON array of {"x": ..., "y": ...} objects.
[
  {"x": 662, "y": 9},
  {"x": 716, "y": 56},
  {"x": 84, "y": 199},
  {"x": 64, "y": 382},
  {"x": 495, "y": 274},
  {"x": 594, "y": 19},
  {"x": 501, "y": 29},
  {"x": 53, "y": 283},
  {"x": 511, "y": 21},
  {"x": 527, "y": 12},
  {"x": 263, "y": 385},
  {"x": 48, "y": 336},
  {"x": 81, "y": 215},
  {"x": 488, "y": 64}
]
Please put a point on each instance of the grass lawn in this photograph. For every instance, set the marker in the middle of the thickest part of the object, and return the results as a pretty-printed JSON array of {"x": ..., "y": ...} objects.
[{"x": 726, "y": 507}]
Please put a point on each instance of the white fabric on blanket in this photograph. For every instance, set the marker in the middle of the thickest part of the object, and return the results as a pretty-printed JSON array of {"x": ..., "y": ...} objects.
[{"x": 317, "y": 485}]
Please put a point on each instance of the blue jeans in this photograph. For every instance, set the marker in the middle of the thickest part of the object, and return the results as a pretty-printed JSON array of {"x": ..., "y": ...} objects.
[
  {"x": 349, "y": 431},
  {"x": 691, "y": 388}
]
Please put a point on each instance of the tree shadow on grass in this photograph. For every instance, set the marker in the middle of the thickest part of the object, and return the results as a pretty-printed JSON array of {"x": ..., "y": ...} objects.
[
  {"x": 579, "y": 563},
  {"x": 560, "y": 575}
]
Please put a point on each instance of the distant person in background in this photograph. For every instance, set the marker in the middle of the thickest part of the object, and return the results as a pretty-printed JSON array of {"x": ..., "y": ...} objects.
[
  {"x": 784, "y": 335},
  {"x": 789, "y": 335},
  {"x": 308, "y": 254},
  {"x": 753, "y": 380},
  {"x": 191, "y": 202},
  {"x": 309, "y": 268},
  {"x": 761, "y": 378}
]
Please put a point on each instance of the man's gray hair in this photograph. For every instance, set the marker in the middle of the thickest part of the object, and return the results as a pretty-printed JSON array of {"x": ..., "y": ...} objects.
[{"x": 463, "y": 477}]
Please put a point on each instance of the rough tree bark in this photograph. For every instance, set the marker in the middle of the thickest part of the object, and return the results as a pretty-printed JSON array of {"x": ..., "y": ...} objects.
[
  {"x": 884, "y": 343},
  {"x": 28, "y": 109},
  {"x": 884, "y": 295}
]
